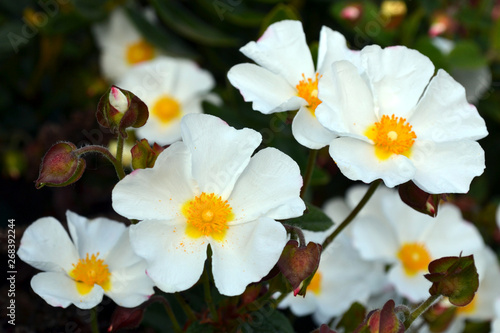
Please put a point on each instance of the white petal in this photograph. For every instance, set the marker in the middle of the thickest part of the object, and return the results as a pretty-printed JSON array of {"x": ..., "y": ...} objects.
[
  {"x": 192, "y": 81},
  {"x": 122, "y": 254},
  {"x": 333, "y": 47},
  {"x": 283, "y": 50},
  {"x": 92, "y": 236},
  {"x": 357, "y": 161},
  {"x": 59, "y": 290},
  {"x": 269, "y": 186},
  {"x": 443, "y": 114},
  {"x": 163, "y": 134},
  {"x": 219, "y": 152},
  {"x": 159, "y": 192},
  {"x": 375, "y": 239},
  {"x": 336, "y": 209},
  {"x": 174, "y": 260},
  {"x": 415, "y": 288},
  {"x": 300, "y": 306},
  {"x": 398, "y": 76},
  {"x": 130, "y": 286},
  {"x": 46, "y": 246},
  {"x": 347, "y": 101},
  {"x": 309, "y": 132},
  {"x": 247, "y": 254},
  {"x": 268, "y": 91},
  {"x": 447, "y": 167}
]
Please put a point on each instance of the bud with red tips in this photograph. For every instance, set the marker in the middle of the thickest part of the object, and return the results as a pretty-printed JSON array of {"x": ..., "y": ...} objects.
[
  {"x": 143, "y": 155},
  {"x": 420, "y": 200},
  {"x": 384, "y": 320}
]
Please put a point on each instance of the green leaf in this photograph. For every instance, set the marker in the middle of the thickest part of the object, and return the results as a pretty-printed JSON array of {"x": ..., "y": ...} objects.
[
  {"x": 234, "y": 12},
  {"x": 267, "y": 320},
  {"x": 198, "y": 327},
  {"x": 189, "y": 26},
  {"x": 424, "y": 45},
  {"x": 466, "y": 55},
  {"x": 495, "y": 37},
  {"x": 352, "y": 318},
  {"x": 314, "y": 219},
  {"x": 279, "y": 13}
]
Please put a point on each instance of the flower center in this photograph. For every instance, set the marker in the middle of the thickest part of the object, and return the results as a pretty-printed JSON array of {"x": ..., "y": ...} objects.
[
  {"x": 207, "y": 215},
  {"x": 315, "y": 285},
  {"x": 414, "y": 257},
  {"x": 138, "y": 52},
  {"x": 391, "y": 135},
  {"x": 166, "y": 109},
  {"x": 90, "y": 271},
  {"x": 308, "y": 90}
]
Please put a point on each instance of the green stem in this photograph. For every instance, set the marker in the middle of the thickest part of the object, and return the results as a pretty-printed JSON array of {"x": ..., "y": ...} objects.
[
  {"x": 106, "y": 153},
  {"x": 279, "y": 299},
  {"x": 119, "y": 157},
  {"x": 185, "y": 307},
  {"x": 353, "y": 214},
  {"x": 311, "y": 162},
  {"x": 298, "y": 232},
  {"x": 93, "y": 320},
  {"x": 208, "y": 296},
  {"x": 175, "y": 324},
  {"x": 420, "y": 310}
]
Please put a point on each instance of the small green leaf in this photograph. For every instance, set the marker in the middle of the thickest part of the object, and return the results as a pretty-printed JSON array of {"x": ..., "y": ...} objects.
[
  {"x": 279, "y": 13},
  {"x": 267, "y": 320},
  {"x": 352, "y": 318},
  {"x": 314, "y": 219},
  {"x": 466, "y": 55}
]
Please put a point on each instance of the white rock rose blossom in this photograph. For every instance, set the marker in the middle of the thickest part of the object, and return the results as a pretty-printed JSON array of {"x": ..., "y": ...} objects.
[
  {"x": 398, "y": 122},
  {"x": 171, "y": 88},
  {"x": 97, "y": 261},
  {"x": 210, "y": 190},
  {"x": 284, "y": 77}
]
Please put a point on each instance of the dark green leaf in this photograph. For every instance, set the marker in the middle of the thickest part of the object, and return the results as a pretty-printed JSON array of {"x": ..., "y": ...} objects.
[
  {"x": 234, "y": 12},
  {"x": 466, "y": 55},
  {"x": 198, "y": 327},
  {"x": 314, "y": 219},
  {"x": 279, "y": 13},
  {"x": 267, "y": 320},
  {"x": 352, "y": 318}
]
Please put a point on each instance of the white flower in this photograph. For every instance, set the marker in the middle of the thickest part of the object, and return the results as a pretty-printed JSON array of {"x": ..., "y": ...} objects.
[
  {"x": 99, "y": 261},
  {"x": 170, "y": 88},
  {"x": 122, "y": 46},
  {"x": 342, "y": 278},
  {"x": 409, "y": 240},
  {"x": 284, "y": 78},
  {"x": 495, "y": 325},
  {"x": 210, "y": 190},
  {"x": 396, "y": 125}
]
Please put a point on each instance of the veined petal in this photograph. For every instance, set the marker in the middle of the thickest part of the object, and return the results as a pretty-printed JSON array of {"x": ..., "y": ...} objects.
[
  {"x": 398, "y": 76},
  {"x": 283, "y": 50},
  {"x": 443, "y": 113},
  {"x": 247, "y": 254},
  {"x": 130, "y": 286},
  {"x": 46, "y": 246},
  {"x": 174, "y": 260},
  {"x": 309, "y": 132},
  {"x": 122, "y": 254},
  {"x": 447, "y": 167},
  {"x": 92, "y": 236},
  {"x": 347, "y": 100},
  {"x": 269, "y": 186},
  {"x": 163, "y": 189},
  {"x": 59, "y": 290},
  {"x": 333, "y": 47},
  {"x": 268, "y": 91},
  {"x": 415, "y": 288},
  {"x": 219, "y": 152},
  {"x": 357, "y": 161}
]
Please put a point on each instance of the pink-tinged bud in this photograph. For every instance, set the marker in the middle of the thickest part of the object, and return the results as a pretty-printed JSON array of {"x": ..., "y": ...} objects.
[
  {"x": 299, "y": 263},
  {"x": 382, "y": 321},
  {"x": 143, "y": 155},
  {"x": 495, "y": 12},
  {"x": 420, "y": 200},
  {"x": 126, "y": 318},
  {"x": 60, "y": 166},
  {"x": 119, "y": 109},
  {"x": 351, "y": 12},
  {"x": 393, "y": 12},
  {"x": 442, "y": 24}
]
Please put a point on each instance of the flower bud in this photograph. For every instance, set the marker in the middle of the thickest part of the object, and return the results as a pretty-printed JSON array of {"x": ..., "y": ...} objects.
[
  {"x": 352, "y": 12},
  {"x": 60, "y": 166},
  {"x": 419, "y": 200},
  {"x": 143, "y": 155},
  {"x": 119, "y": 109},
  {"x": 126, "y": 318},
  {"x": 383, "y": 320}
]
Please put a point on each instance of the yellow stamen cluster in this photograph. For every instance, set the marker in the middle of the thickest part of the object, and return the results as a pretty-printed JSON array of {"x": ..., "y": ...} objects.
[
  {"x": 315, "y": 285},
  {"x": 391, "y": 135},
  {"x": 414, "y": 257},
  {"x": 90, "y": 271},
  {"x": 207, "y": 215},
  {"x": 308, "y": 90},
  {"x": 166, "y": 109},
  {"x": 138, "y": 52}
]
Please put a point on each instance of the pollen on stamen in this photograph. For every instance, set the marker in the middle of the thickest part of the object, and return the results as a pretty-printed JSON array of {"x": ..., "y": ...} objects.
[
  {"x": 308, "y": 90},
  {"x": 138, "y": 52},
  {"x": 90, "y": 271}
]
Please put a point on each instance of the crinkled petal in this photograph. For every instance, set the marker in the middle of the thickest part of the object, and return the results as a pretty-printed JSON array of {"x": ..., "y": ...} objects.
[
  {"x": 443, "y": 114},
  {"x": 46, "y": 246},
  {"x": 159, "y": 192},
  {"x": 219, "y": 152},
  {"x": 268, "y": 91},
  {"x": 130, "y": 286},
  {"x": 92, "y": 236},
  {"x": 60, "y": 290},
  {"x": 398, "y": 76},
  {"x": 415, "y": 287},
  {"x": 447, "y": 167},
  {"x": 333, "y": 47},
  {"x": 309, "y": 132},
  {"x": 347, "y": 100},
  {"x": 283, "y": 50},
  {"x": 269, "y": 186},
  {"x": 174, "y": 260},
  {"x": 247, "y": 254},
  {"x": 357, "y": 161}
]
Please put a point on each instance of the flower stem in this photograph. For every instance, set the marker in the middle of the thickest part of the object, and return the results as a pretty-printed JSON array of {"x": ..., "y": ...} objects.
[
  {"x": 353, "y": 214},
  {"x": 420, "y": 310},
  {"x": 279, "y": 299},
  {"x": 119, "y": 157},
  {"x": 93, "y": 320},
  {"x": 298, "y": 232},
  {"x": 175, "y": 324},
  {"x": 106, "y": 153},
  {"x": 185, "y": 307},
  {"x": 311, "y": 162},
  {"x": 208, "y": 296}
]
